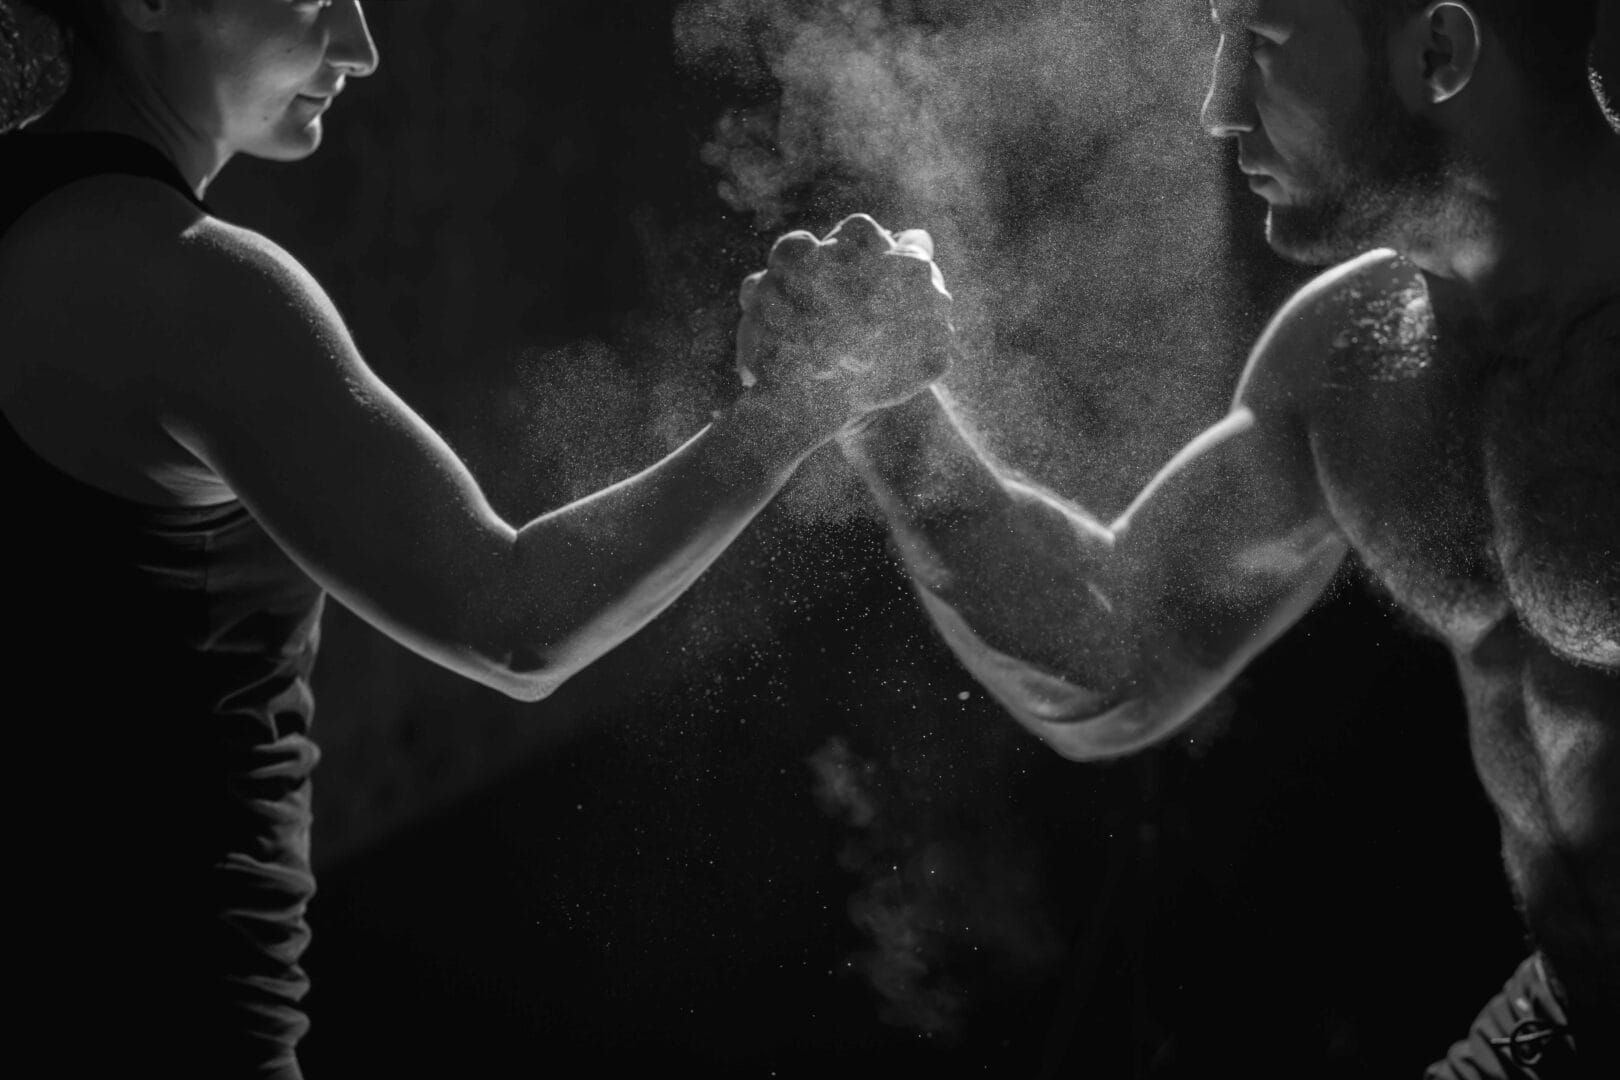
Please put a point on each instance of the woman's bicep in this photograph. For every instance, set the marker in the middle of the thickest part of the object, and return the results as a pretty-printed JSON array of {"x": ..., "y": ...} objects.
[{"x": 266, "y": 387}]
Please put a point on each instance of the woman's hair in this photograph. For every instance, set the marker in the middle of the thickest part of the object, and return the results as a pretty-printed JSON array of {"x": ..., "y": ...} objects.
[
  {"x": 76, "y": 15},
  {"x": 38, "y": 39}
]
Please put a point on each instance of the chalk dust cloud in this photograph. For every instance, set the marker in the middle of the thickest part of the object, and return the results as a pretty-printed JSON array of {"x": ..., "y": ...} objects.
[
  {"x": 1053, "y": 151},
  {"x": 947, "y": 906}
]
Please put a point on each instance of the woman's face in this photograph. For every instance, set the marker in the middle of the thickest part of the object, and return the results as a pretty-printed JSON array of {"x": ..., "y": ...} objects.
[{"x": 255, "y": 76}]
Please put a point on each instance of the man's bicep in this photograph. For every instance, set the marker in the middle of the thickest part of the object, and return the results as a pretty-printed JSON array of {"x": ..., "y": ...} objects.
[
  {"x": 1236, "y": 537},
  {"x": 1228, "y": 546},
  {"x": 1239, "y": 508}
]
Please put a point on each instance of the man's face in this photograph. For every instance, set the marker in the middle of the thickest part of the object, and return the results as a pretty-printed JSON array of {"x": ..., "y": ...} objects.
[
  {"x": 255, "y": 76},
  {"x": 1325, "y": 141}
]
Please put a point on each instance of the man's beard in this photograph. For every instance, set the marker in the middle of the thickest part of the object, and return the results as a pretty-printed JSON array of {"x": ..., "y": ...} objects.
[{"x": 1383, "y": 186}]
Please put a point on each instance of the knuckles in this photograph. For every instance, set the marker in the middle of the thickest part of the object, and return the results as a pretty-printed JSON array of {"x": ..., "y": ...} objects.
[
  {"x": 859, "y": 304},
  {"x": 860, "y": 232},
  {"x": 792, "y": 249},
  {"x": 749, "y": 288},
  {"x": 917, "y": 241},
  {"x": 820, "y": 278}
]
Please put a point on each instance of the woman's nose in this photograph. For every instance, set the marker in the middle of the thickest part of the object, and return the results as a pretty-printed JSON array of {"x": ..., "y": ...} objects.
[{"x": 351, "y": 49}]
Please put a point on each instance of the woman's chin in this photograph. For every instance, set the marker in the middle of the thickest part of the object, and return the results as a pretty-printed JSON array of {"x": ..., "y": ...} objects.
[{"x": 291, "y": 143}]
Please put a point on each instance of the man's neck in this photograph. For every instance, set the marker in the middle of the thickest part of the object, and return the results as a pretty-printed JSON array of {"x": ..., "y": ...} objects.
[{"x": 1534, "y": 221}]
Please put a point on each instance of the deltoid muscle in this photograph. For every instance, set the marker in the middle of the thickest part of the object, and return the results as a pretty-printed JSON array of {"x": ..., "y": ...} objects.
[{"x": 1392, "y": 337}]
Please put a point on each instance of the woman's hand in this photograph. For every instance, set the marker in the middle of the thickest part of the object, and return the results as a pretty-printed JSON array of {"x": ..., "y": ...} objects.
[{"x": 839, "y": 328}]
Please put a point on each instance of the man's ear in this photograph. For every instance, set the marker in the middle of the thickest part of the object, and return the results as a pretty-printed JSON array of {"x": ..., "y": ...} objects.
[{"x": 1440, "y": 51}]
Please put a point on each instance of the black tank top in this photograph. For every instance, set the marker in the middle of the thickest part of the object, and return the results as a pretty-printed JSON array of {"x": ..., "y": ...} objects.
[{"x": 158, "y": 679}]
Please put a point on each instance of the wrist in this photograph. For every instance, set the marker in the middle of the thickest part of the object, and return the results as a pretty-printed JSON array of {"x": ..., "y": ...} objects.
[
  {"x": 805, "y": 415},
  {"x": 893, "y": 430},
  {"x": 773, "y": 432}
]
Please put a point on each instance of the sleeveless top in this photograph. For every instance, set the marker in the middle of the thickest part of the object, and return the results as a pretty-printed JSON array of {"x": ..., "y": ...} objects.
[{"x": 158, "y": 665}]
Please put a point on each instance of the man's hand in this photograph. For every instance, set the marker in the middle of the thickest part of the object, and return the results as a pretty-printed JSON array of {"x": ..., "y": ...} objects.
[{"x": 837, "y": 329}]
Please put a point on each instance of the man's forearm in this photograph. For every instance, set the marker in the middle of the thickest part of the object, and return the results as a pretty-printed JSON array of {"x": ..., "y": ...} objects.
[
  {"x": 1033, "y": 580},
  {"x": 1134, "y": 624}
]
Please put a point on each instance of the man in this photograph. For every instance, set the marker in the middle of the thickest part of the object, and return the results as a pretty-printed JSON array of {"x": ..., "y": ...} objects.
[{"x": 1448, "y": 413}]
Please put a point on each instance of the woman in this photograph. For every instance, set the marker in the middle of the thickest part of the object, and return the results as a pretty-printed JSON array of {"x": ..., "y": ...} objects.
[{"x": 196, "y": 454}]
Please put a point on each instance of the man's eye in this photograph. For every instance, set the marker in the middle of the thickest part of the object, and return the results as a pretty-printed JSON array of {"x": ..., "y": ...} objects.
[{"x": 1258, "y": 41}]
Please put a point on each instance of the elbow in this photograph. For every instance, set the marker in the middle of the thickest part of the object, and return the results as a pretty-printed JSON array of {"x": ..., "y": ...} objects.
[
  {"x": 1081, "y": 722},
  {"x": 1115, "y": 732},
  {"x": 1084, "y": 716},
  {"x": 1083, "y": 725},
  {"x": 528, "y": 671},
  {"x": 463, "y": 638},
  {"x": 527, "y": 689},
  {"x": 523, "y": 676},
  {"x": 513, "y": 681}
]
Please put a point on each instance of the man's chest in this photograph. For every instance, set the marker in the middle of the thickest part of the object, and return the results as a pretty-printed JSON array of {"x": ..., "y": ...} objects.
[{"x": 1478, "y": 489}]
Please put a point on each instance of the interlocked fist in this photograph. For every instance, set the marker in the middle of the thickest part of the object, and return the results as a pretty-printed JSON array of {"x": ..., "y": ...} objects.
[{"x": 846, "y": 325}]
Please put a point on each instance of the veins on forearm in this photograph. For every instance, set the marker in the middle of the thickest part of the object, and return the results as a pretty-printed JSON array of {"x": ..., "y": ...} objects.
[{"x": 1032, "y": 576}]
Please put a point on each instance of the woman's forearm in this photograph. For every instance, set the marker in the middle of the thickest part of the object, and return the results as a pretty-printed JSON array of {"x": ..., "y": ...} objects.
[{"x": 581, "y": 579}]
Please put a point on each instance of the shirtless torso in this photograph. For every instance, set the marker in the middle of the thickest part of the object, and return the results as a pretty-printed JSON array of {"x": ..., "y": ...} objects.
[
  {"x": 1474, "y": 470},
  {"x": 1448, "y": 416},
  {"x": 1481, "y": 488}
]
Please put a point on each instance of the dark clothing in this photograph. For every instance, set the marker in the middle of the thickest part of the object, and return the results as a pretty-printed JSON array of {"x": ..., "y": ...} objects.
[
  {"x": 164, "y": 754},
  {"x": 1521, "y": 1034}
]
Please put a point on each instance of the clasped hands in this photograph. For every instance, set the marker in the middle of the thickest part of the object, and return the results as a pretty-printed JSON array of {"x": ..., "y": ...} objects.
[{"x": 837, "y": 329}]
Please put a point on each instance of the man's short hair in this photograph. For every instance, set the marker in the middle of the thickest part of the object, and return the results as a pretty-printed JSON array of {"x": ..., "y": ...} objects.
[{"x": 1548, "y": 40}]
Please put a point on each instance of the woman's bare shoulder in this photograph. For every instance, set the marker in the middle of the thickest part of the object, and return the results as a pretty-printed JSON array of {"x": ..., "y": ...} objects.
[
  {"x": 116, "y": 235},
  {"x": 126, "y": 261},
  {"x": 121, "y": 302}
]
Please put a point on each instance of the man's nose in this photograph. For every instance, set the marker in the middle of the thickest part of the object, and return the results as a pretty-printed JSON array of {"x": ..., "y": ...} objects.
[
  {"x": 1228, "y": 110},
  {"x": 351, "y": 50}
]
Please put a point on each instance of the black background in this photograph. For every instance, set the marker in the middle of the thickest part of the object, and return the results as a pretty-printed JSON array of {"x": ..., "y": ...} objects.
[{"x": 634, "y": 876}]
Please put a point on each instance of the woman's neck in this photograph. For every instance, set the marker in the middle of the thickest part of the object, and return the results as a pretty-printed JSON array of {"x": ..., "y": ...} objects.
[{"x": 102, "y": 99}]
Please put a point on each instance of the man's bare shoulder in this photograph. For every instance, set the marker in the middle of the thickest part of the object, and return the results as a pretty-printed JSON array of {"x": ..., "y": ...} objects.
[{"x": 1287, "y": 366}]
